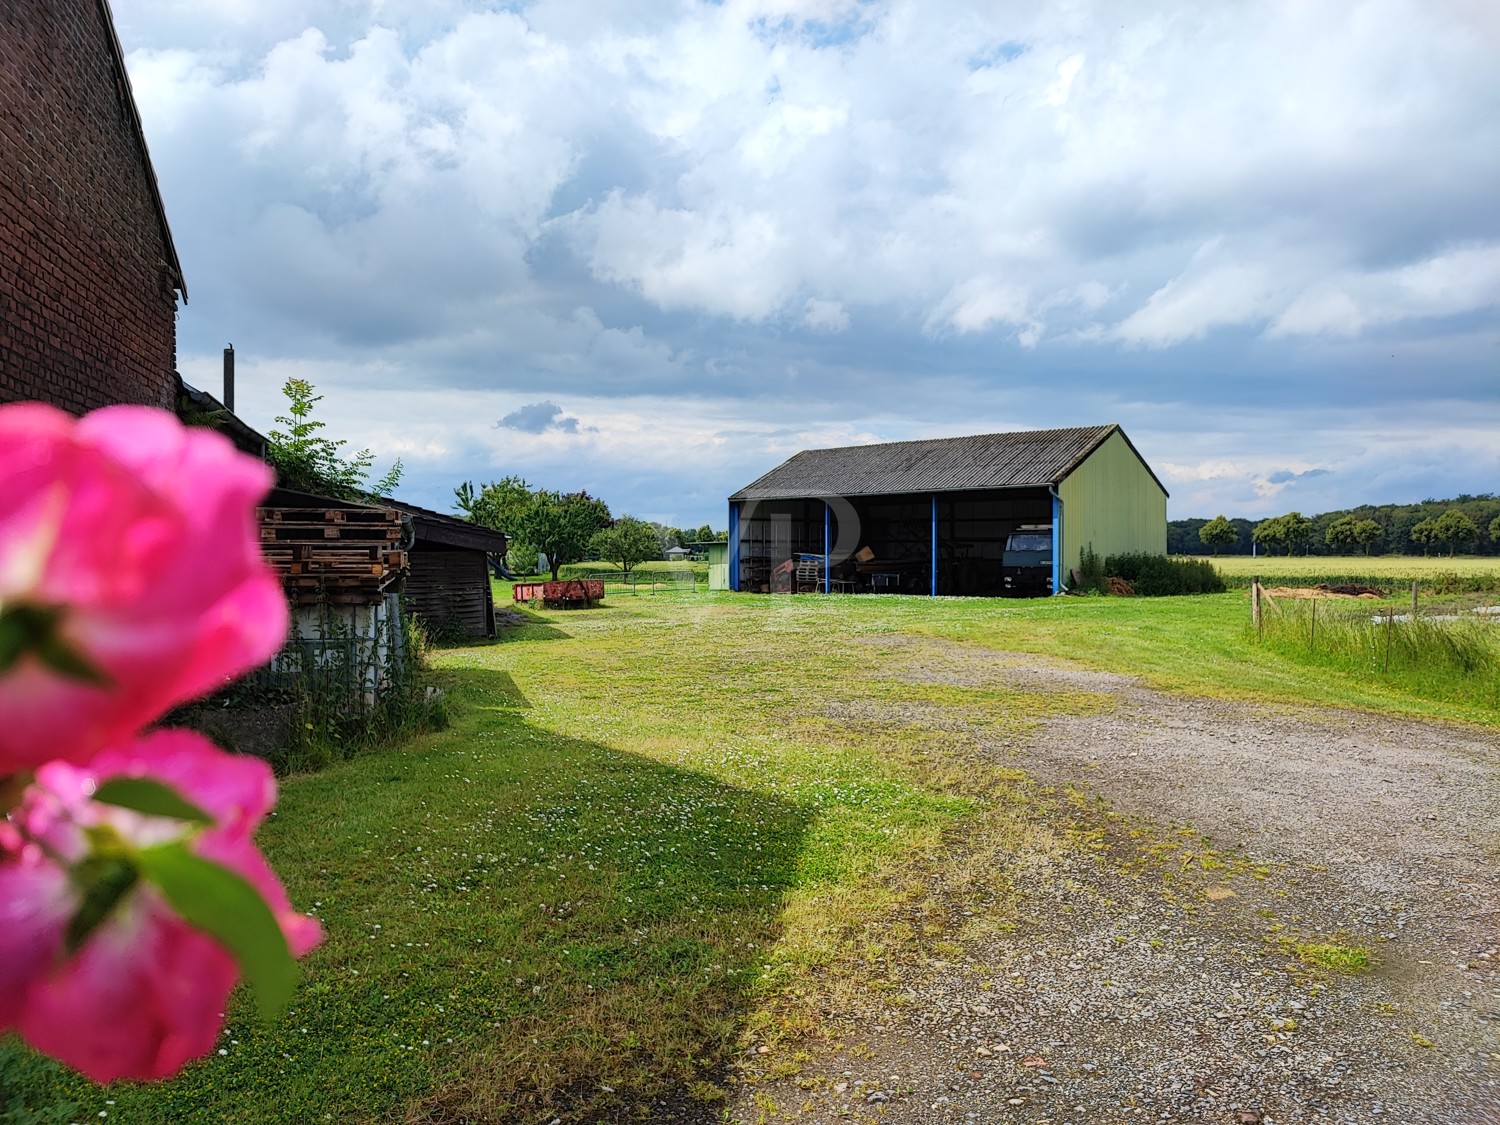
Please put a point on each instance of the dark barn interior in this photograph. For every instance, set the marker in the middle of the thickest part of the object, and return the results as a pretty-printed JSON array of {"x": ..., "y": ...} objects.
[{"x": 884, "y": 544}]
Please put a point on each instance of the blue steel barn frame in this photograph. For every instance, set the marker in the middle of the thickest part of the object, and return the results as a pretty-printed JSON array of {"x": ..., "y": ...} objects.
[{"x": 934, "y": 516}]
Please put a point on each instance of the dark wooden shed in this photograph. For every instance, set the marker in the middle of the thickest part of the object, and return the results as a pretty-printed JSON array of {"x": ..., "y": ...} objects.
[{"x": 448, "y": 581}]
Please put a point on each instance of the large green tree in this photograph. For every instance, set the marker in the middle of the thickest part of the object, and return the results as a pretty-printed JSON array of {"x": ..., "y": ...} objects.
[
  {"x": 1367, "y": 533},
  {"x": 499, "y": 504},
  {"x": 1290, "y": 531},
  {"x": 309, "y": 461},
  {"x": 1270, "y": 533},
  {"x": 627, "y": 542},
  {"x": 1424, "y": 534},
  {"x": 1341, "y": 535},
  {"x": 1298, "y": 531},
  {"x": 1218, "y": 532},
  {"x": 1455, "y": 529},
  {"x": 560, "y": 525}
]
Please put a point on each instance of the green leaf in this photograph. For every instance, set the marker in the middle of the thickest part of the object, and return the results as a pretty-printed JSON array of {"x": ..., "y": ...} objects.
[
  {"x": 36, "y": 629},
  {"x": 102, "y": 882},
  {"x": 225, "y": 905},
  {"x": 67, "y": 661},
  {"x": 143, "y": 795}
]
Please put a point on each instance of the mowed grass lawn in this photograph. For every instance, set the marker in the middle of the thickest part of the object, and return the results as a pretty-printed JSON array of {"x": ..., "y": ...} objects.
[{"x": 656, "y": 834}]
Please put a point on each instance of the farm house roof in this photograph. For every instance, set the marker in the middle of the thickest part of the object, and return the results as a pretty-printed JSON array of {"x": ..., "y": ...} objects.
[{"x": 1028, "y": 459}]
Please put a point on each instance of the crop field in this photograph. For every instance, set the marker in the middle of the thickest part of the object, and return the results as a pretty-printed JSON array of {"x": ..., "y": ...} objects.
[
  {"x": 1461, "y": 572},
  {"x": 665, "y": 829}
]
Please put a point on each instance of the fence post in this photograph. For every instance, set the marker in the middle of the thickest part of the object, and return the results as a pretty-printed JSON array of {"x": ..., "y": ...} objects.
[{"x": 1255, "y": 604}]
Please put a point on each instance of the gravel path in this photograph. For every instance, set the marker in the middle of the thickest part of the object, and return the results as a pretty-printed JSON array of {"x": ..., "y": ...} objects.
[{"x": 1130, "y": 999}]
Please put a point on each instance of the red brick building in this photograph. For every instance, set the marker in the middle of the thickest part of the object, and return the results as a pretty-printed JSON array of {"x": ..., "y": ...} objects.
[{"x": 89, "y": 279}]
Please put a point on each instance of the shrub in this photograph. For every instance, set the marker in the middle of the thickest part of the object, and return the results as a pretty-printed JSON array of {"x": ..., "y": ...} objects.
[
  {"x": 1155, "y": 576},
  {"x": 1090, "y": 573}
]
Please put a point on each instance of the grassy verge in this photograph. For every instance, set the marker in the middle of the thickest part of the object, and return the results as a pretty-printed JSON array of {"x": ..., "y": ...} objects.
[
  {"x": 1451, "y": 656},
  {"x": 658, "y": 832}
]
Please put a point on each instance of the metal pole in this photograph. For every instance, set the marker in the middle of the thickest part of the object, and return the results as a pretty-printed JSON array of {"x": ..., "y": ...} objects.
[
  {"x": 1056, "y": 542},
  {"x": 734, "y": 545},
  {"x": 229, "y": 378},
  {"x": 934, "y": 545},
  {"x": 827, "y": 530}
]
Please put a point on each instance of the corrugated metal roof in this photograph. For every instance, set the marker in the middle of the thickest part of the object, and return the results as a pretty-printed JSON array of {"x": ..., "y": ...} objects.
[{"x": 1029, "y": 459}]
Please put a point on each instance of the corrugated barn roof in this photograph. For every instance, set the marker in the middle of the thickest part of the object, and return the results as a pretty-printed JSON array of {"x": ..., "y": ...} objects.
[{"x": 1029, "y": 459}]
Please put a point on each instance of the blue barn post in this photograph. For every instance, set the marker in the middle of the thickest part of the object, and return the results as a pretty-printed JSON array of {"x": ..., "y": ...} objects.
[
  {"x": 734, "y": 545},
  {"x": 827, "y": 547},
  {"x": 1056, "y": 543},
  {"x": 934, "y": 545}
]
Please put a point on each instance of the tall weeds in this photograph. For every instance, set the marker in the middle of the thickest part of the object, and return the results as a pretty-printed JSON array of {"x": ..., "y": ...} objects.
[
  {"x": 1436, "y": 657},
  {"x": 330, "y": 693}
]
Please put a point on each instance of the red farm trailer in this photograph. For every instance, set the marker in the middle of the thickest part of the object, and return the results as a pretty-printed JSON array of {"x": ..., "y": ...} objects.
[{"x": 571, "y": 594}]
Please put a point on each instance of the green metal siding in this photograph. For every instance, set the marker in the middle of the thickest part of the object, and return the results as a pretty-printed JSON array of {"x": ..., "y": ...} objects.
[
  {"x": 718, "y": 566},
  {"x": 1112, "y": 502}
]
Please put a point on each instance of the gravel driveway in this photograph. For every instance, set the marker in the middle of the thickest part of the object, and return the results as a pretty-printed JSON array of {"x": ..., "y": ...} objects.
[{"x": 1123, "y": 998}]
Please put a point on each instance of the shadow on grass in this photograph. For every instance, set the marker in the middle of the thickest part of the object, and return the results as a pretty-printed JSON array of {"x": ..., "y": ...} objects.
[
  {"x": 536, "y": 628},
  {"x": 521, "y": 927}
]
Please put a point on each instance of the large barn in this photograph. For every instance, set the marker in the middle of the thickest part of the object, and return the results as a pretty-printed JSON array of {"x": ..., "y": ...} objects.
[{"x": 979, "y": 516}]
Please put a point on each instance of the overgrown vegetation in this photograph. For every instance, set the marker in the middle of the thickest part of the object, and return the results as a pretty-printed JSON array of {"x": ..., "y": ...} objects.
[
  {"x": 1147, "y": 575},
  {"x": 327, "y": 696},
  {"x": 307, "y": 461},
  {"x": 1451, "y": 655},
  {"x": 1155, "y": 576}
]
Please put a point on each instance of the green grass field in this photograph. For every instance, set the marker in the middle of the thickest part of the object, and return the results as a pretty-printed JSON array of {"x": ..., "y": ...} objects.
[{"x": 659, "y": 831}]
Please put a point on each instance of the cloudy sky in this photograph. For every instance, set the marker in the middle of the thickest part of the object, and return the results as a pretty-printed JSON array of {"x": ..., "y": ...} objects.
[{"x": 653, "y": 247}]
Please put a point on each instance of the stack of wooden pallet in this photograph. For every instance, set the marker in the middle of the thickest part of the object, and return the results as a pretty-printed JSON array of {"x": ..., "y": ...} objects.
[{"x": 342, "y": 556}]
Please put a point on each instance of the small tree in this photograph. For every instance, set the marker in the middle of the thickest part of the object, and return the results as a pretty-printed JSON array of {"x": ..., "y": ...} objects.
[
  {"x": 705, "y": 534},
  {"x": 1218, "y": 532},
  {"x": 561, "y": 526},
  {"x": 307, "y": 461},
  {"x": 628, "y": 542},
  {"x": 1367, "y": 533},
  {"x": 1455, "y": 529}
]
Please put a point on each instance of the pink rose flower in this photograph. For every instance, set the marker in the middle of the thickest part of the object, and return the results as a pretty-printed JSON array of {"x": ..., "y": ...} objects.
[
  {"x": 145, "y": 992},
  {"x": 137, "y": 537}
]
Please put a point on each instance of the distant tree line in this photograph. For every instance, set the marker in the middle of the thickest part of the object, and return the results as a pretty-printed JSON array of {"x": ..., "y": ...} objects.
[
  {"x": 1464, "y": 525},
  {"x": 569, "y": 527}
]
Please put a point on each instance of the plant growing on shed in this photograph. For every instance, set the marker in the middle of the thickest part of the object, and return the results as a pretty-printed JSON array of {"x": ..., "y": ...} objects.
[{"x": 307, "y": 461}]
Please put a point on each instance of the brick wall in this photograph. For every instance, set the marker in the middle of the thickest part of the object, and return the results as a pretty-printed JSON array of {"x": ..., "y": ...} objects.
[{"x": 87, "y": 302}]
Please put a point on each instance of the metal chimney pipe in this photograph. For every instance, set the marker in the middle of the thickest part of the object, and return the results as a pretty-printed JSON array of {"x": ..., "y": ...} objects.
[{"x": 229, "y": 378}]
